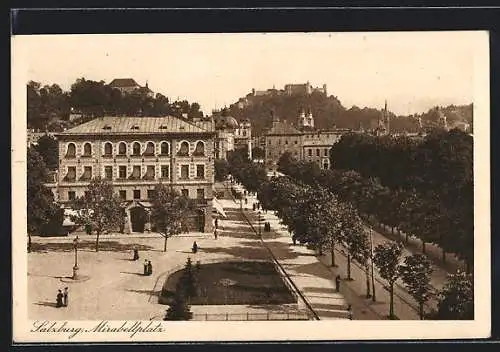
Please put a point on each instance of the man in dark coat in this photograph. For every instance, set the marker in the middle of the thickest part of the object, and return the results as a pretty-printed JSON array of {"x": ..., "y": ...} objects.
[
  {"x": 150, "y": 268},
  {"x": 145, "y": 267},
  {"x": 59, "y": 299}
]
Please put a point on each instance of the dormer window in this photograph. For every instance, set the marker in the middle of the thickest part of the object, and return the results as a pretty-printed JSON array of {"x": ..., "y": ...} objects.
[
  {"x": 106, "y": 127},
  {"x": 163, "y": 127},
  {"x": 134, "y": 127}
]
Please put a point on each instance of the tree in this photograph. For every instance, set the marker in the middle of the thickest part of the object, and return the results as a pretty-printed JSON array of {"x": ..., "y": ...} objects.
[
  {"x": 99, "y": 207},
  {"x": 41, "y": 208},
  {"x": 258, "y": 153},
  {"x": 456, "y": 299},
  {"x": 353, "y": 236},
  {"x": 189, "y": 281},
  {"x": 221, "y": 170},
  {"x": 387, "y": 258},
  {"x": 416, "y": 274},
  {"x": 179, "y": 309},
  {"x": 48, "y": 148},
  {"x": 168, "y": 210}
]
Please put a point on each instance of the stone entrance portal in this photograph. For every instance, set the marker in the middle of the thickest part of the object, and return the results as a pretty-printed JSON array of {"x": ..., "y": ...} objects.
[{"x": 138, "y": 219}]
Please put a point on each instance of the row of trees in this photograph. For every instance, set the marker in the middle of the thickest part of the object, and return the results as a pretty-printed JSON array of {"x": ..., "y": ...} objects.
[
  {"x": 433, "y": 201},
  {"x": 48, "y": 105},
  {"x": 318, "y": 218}
]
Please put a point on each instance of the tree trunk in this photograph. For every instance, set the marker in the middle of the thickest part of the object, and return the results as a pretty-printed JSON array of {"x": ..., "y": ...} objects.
[
  {"x": 421, "y": 310},
  {"x": 406, "y": 238},
  {"x": 443, "y": 256},
  {"x": 392, "y": 230},
  {"x": 320, "y": 250},
  {"x": 367, "y": 280},
  {"x": 97, "y": 241},
  {"x": 165, "y": 243},
  {"x": 423, "y": 246},
  {"x": 333, "y": 255},
  {"x": 349, "y": 266},
  {"x": 391, "y": 304}
]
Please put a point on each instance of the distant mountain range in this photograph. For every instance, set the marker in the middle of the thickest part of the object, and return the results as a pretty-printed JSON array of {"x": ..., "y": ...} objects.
[{"x": 328, "y": 112}]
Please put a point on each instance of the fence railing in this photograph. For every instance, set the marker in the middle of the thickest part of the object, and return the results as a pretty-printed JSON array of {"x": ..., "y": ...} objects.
[{"x": 251, "y": 316}]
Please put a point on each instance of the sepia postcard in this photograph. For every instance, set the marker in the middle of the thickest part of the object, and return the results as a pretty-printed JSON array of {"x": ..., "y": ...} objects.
[{"x": 251, "y": 187}]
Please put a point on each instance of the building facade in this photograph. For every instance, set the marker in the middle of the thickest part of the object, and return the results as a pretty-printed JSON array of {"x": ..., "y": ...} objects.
[
  {"x": 135, "y": 154},
  {"x": 243, "y": 136},
  {"x": 302, "y": 141},
  {"x": 128, "y": 85}
]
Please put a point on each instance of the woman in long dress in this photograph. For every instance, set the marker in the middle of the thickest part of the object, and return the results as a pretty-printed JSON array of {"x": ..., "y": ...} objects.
[{"x": 59, "y": 299}]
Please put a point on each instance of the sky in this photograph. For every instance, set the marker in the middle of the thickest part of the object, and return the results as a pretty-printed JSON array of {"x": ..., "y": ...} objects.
[{"x": 414, "y": 71}]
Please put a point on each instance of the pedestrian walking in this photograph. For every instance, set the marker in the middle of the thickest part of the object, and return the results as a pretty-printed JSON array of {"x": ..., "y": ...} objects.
[
  {"x": 253, "y": 206},
  {"x": 246, "y": 201},
  {"x": 216, "y": 222},
  {"x": 65, "y": 297},
  {"x": 150, "y": 268},
  {"x": 59, "y": 299},
  {"x": 349, "y": 310},
  {"x": 337, "y": 283},
  {"x": 215, "y": 233},
  {"x": 145, "y": 267},
  {"x": 136, "y": 254},
  {"x": 195, "y": 247},
  {"x": 294, "y": 239}
]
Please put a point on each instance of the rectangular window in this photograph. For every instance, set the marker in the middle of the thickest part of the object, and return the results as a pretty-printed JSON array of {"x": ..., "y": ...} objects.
[
  {"x": 325, "y": 152},
  {"x": 165, "y": 171},
  {"x": 151, "y": 193},
  {"x": 286, "y": 141},
  {"x": 87, "y": 173},
  {"x": 184, "y": 172},
  {"x": 123, "y": 194},
  {"x": 309, "y": 152},
  {"x": 294, "y": 142},
  {"x": 136, "y": 172},
  {"x": 71, "y": 195},
  {"x": 200, "y": 193},
  {"x": 150, "y": 173},
  {"x": 108, "y": 172},
  {"x": 317, "y": 152},
  {"x": 71, "y": 175},
  {"x": 137, "y": 194},
  {"x": 200, "y": 171},
  {"x": 269, "y": 142},
  {"x": 185, "y": 192},
  {"x": 122, "y": 172}
]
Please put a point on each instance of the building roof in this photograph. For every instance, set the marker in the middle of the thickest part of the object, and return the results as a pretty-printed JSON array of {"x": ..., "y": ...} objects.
[
  {"x": 123, "y": 82},
  {"x": 109, "y": 125},
  {"x": 282, "y": 127}
]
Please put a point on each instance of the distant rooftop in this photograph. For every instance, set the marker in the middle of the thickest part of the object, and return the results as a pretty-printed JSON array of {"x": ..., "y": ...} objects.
[
  {"x": 123, "y": 82},
  {"x": 282, "y": 127},
  {"x": 139, "y": 125}
]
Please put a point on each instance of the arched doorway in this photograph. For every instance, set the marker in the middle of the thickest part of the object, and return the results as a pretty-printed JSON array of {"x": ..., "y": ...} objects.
[{"x": 138, "y": 219}]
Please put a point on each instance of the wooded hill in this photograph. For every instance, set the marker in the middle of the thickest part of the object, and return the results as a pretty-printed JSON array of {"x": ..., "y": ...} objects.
[{"x": 329, "y": 112}]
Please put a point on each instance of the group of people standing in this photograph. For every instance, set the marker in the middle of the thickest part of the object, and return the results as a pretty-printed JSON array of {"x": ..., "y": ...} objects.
[
  {"x": 148, "y": 267},
  {"x": 62, "y": 298}
]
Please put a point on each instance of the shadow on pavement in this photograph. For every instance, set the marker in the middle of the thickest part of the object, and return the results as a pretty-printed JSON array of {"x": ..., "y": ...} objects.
[
  {"x": 145, "y": 292},
  {"x": 131, "y": 273},
  {"x": 241, "y": 252},
  {"x": 46, "y": 304},
  {"x": 113, "y": 246}
]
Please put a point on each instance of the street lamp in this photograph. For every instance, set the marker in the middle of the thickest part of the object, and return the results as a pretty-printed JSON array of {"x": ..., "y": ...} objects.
[
  {"x": 371, "y": 260},
  {"x": 260, "y": 233},
  {"x": 75, "y": 268}
]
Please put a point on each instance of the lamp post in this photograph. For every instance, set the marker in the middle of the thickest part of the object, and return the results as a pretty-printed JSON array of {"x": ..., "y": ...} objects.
[
  {"x": 371, "y": 260},
  {"x": 260, "y": 233},
  {"x": 75, "y": 268}
]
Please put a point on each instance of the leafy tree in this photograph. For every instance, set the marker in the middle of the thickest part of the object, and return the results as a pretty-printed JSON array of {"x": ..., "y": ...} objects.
[
  {"x": 99, "y": 207},
  {"x": 353, "y": 235},
  {"x": 41, "y": 208},
  {"x": 179, "y": 309},
  {"x": 456, "y": 299},
  {"x": 168, "y": 211},
  {"x": 416, "y": 275},
  {"x": 387, "y": 258},
  {"x": 48, "y": 148},
  {"x": 221, "y": 170},
  {"x": 258, "y": 153}
]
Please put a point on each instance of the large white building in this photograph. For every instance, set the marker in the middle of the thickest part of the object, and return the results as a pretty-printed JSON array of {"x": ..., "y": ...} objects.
[{"x": 135, "y": 154}]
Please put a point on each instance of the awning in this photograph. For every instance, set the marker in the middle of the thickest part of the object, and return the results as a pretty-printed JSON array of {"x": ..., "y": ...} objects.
[{"x": 218, "y": 207}]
